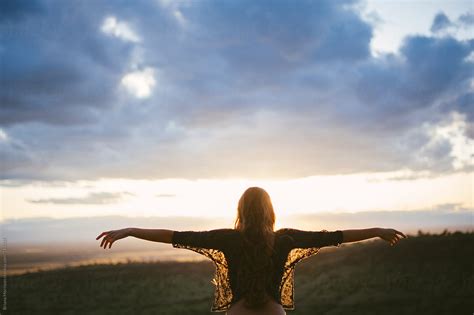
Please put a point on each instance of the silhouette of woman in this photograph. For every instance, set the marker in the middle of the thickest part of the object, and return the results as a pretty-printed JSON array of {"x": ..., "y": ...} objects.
[{"x": 254, "y": 264}]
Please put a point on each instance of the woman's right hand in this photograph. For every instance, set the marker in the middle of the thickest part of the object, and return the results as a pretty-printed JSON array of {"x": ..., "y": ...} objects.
[
  {"x": 111, "y": 236},
  {"x": 390, "y": 235}
]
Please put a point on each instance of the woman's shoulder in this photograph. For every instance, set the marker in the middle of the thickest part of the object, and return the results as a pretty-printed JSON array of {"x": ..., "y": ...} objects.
[
  {"x": 225, "y": 232},
  {"x": 285, "y": 235},
  {"x": 286, "y": 231},
  {"x": 292, "y": 234}
]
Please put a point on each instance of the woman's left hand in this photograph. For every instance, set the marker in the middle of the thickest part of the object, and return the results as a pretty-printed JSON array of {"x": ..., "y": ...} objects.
[
  {"x": 391, "y": 235},
  {"x": 112, "y": 236}
]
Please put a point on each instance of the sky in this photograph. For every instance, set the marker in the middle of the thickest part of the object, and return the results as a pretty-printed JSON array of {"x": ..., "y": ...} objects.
[{"x": 173, "y": 108}]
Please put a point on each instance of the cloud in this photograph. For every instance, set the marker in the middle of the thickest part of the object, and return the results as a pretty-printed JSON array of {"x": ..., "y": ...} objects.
[
  {"x": 466, "y": 19},
  {"x": 165, "y": 195},
  {"x": 61, "y": 76},
  {"x": 140, "y": 83},
  {"x": 440, "y": 22},
  {"x": 3, "y": 136},
  {"x": 122, "y": 30},
  {"x": 95, "y": 198},
  {"x": 454, "y": 133},
  {"x": 226, "y": 89},
  {"x": 18, "y": 9}
]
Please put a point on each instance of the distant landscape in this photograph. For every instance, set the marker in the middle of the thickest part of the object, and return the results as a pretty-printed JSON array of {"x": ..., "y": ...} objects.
[
  {"x": 35, "y": 244},
  {"x": 424, "y": 274}
]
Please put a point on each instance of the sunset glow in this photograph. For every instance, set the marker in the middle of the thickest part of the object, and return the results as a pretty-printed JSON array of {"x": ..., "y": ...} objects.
[{"x": 218, "y": 198}]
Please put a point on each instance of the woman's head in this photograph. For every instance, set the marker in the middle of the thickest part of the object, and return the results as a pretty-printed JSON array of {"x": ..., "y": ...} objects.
[{"x": 255, "y": 211}]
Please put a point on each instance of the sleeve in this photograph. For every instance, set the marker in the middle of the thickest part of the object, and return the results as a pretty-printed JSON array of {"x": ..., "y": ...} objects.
[
  {"x": 213, "y": 239},
  {"x": 308, "y": 239}
]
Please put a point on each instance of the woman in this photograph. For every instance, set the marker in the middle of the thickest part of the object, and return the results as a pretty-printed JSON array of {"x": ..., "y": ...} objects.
[{"x": 254, "y": 264}]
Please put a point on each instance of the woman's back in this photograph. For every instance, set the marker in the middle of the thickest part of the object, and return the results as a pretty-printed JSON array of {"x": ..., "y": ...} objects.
[
  {"x": 226, "y": 247},
  {"x": 271, "y": 307}
]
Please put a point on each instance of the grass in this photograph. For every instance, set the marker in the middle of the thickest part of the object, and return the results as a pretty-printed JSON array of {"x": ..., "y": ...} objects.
[{"x": 426, "y": 274}]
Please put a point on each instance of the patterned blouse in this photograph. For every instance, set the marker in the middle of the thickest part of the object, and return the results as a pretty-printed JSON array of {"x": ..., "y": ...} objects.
[{"x": 224, "y": 247}]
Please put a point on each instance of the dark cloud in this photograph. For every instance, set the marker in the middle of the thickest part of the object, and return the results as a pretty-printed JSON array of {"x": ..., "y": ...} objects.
[
  {"x": 427, "y": 70},
  {"x": 465, "y": 104},
  {"x": 95, "y": 198},
  {"x": 18, "y": 9},
  {"x": 57, "y": 68},
  {"x": 243, "y": 89},
  {"x": 440, "y": 22},
  {"x": 466, "y": 19}
]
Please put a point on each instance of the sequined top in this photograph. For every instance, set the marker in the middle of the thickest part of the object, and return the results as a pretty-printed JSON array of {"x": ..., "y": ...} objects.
[{"x": 224, "y": 247}]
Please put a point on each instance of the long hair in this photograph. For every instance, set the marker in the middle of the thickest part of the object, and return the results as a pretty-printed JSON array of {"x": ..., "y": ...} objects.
[{"x": 256, "y": 221}]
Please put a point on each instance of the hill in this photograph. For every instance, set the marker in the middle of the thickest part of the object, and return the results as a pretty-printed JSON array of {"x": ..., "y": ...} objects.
[{"x": 424, "y": 274}]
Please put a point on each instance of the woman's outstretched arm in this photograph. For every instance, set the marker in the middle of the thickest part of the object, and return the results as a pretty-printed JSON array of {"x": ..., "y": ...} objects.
[
  {"x": 390, "y": 235},
  {"x": 154, "y": 235}
]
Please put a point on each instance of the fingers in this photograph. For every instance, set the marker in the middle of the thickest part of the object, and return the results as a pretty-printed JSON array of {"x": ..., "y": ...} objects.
[
  {"x": 104, "y": 241},
  {"x": 394, "y": 239},
  {"x": 107, "y": 240},
  {"x": 400, "y": 233},
  {"x": 101, "y": 234},
  {"x": 392, "y": 236},
  {"x": 110, "y": 240},
  {"x": 104, "y": 233}
]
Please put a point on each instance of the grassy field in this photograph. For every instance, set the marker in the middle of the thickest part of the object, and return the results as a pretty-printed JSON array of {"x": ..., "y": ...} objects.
[{"x": 426, "y": 274}]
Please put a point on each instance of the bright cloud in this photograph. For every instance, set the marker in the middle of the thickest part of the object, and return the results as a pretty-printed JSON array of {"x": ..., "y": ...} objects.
[
  {"x": 462, "y": 147},
  {"x": 179, "y": 17},
  {"x": 119, "y": 29},
  {"x": 394, "y": 20},
  {"x": 3, "y": 135},
  {"x": 140, "y": 83}
]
